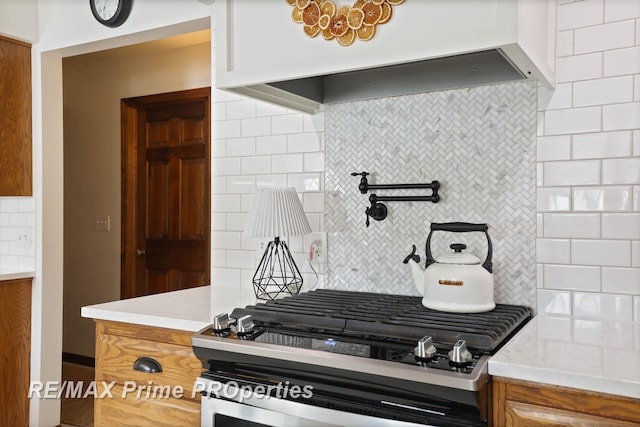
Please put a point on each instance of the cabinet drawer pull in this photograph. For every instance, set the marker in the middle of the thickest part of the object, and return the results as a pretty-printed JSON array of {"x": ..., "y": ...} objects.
[{"x": 147, "y": 365}]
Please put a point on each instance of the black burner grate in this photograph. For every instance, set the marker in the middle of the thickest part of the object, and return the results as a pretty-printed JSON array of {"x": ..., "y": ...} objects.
[{"x": 383, "y": 316}]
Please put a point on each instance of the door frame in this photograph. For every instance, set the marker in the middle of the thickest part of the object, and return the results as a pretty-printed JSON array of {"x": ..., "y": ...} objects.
[{"x": 131, "y": 108}]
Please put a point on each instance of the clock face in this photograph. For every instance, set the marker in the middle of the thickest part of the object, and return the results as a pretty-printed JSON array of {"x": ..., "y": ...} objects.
[
  {"x": 106, "y": 9},
  {"x": 111, "y": 13}
]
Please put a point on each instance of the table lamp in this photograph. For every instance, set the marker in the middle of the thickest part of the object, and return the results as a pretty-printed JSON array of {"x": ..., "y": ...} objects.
[{"x": 276, "y": 212}]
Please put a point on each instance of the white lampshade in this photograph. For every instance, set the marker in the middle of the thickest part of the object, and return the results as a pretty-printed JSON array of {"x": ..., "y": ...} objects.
[{"x": 276, "y": 212}]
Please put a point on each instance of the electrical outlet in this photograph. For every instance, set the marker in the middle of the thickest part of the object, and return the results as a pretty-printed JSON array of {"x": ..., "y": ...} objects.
[
  {"x": 317, "y": 246},
  {"x": 23, "y": 238}
]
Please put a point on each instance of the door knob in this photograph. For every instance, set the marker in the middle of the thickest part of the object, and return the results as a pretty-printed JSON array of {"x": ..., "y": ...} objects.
[{"x": 140, "y": 252}]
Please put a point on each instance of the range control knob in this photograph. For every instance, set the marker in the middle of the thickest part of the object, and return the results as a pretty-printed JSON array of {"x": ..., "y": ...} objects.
[
  {"x": 425, "y": 349},
  {"x": 244, "y": 325},
  {"x": 460, "y": 355},
  {"x": 221, "y": 323}
]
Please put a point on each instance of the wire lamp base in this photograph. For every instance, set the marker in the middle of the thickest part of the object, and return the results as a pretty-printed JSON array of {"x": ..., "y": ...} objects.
[{"x": 277, "y": 274}]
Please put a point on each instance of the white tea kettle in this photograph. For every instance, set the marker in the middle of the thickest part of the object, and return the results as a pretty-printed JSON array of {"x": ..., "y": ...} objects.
[{"x": 456, "y": 282}]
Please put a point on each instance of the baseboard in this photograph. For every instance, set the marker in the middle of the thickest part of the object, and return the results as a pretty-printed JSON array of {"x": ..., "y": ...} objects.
[{"x": 79, "y": 359}]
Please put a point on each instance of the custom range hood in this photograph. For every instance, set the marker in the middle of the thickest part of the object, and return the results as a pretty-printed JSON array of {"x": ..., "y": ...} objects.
[{"x": 427, "y": 45}]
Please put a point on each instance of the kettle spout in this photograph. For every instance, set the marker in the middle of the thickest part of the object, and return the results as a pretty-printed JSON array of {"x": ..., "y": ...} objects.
[{"x": 417, "y": 271}]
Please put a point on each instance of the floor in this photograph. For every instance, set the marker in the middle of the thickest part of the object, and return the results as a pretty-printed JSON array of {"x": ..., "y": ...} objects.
[{"x": 77, "y": 412}]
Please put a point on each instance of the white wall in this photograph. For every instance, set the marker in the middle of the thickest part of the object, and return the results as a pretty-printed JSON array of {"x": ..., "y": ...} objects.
[
  {"x": 588, "y": 247},
  {"x": 92, "y": 150}
]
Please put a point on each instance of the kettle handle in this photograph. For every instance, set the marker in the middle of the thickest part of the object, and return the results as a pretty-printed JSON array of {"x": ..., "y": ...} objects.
[{"x": 460, "y": 227}]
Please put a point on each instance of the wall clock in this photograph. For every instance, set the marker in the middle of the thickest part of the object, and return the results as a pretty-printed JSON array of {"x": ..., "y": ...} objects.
[{"x": 111, "y": 13}]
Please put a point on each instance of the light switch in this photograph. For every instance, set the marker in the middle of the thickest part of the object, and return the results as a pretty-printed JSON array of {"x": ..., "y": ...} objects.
[{"x": 103, "y": 223}]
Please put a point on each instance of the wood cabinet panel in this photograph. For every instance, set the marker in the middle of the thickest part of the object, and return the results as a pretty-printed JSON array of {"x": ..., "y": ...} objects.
[
  {"x": 520, "y": 403},
  {"x": 164, "y": 398},
  {"x": 131, "y": 411},
  {"x": 15, "y": 118},
  {"x": 15, "y": 342}
]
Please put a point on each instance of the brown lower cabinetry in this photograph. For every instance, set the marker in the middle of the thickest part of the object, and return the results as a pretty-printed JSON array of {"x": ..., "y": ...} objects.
[
  {"x": 524, "y": 404},
  {"x": 15, "y": 345},
  {"x": 128, "y": 397}
]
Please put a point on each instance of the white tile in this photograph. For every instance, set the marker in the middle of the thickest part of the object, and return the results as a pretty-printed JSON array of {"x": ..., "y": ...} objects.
[
  {"x": 225, "y": 203},
  {"x": 287, "y": 163},
  {"x": 8, "y": 204},
  {"x": 580, "y": 14},
  {"x": 539, "y": 225},
  {"x": 539, "y": 174},
  {"x": 219, "y": 95},
  {"x": 4, "y": 219},
  {"x": 238, "y": 147},
  {"x": 617, "y": 10},
  {"x": 314, "y": 123},
  {"x": 636, "y": 82},
  {"x": 554, "y": 199},
  {"x": 636, "y": 137},
  {"x": 553, "y": 251},
  {"x": 226, "y": 129},
  {"x": 26, "y": 204},
  {"x": 303, "y": 142},
  {"x": 615, "y": 253},
  {"x": 303, "y": 182},
  {"x": 236, "y": 221},
  {"x": 603, "y": 91},
  {"x": 553, "y": 148},
  {"x": 225, "y": 240},
  {"x": 551, "y": 99},
  {"x": 218, "y": 258},
  {"x": 636, "y": 309},
  {"x": 266, "y": 109},
  {"x": 256, "y": 165},
  {"x": 225, "y": 166},
  {"x": 277, "y": 180},
  {"x": 621, "y": 171},
  {"x": 240, "y": 259},
  {"x": 290, "y": 123},
  {"x": 621, "y": 116},
  {"x": 602, "y": 199},
  {"x": 17, "y": 219},
  {"x": 540, "y": 123},
  {"x": 601, "y": 145},
  {"x": 218, "y": 185},
  {"x": 241, "y": 109},
  {"x": 621, "y": 61},
  {"x": 218, "y": 112},
  {"x": 621, "y": 280},
  {"x": 218, "y": 221},
  {"x": 636, "y": 197},
  {"x": 241, "y": 184},
  {"x": 635, "y": 249},
  {"x": 564, "y": 43},
  {"x": 246, "y": 202},
  {"x": 605, "y": 37},
  {"x": 225, "y": 277},
  {"x": 554, "y": 302},
  {"x": 572, "y": 225},
  {"x": 256, "y": 127},
  {"x": 572, "y": 277},
  {"x": 218, "y": 148},
  {"x": 602, "y": 306},
  {"x": 621, "y": 226},
  {"x": 583, "y": 172},
  {"x": 314, "y": 162},
  {"x": 313, "y": 202},
  {"x": 573, "y": 120},
  {"x": 273, "y": 144},
  {"x": 580, "y": 67},
  {"x": 539, "y": 276}
]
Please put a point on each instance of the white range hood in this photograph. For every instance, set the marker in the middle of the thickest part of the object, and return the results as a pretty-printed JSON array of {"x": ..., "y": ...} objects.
[{"x": 427, "y": 45}]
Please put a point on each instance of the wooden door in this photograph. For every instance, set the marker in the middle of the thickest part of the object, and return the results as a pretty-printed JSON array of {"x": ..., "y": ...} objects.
[{"x": 166, "y": 192}]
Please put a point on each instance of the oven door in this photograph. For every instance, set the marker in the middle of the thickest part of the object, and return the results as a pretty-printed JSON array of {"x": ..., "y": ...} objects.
[{"x": 224, "y": 406}]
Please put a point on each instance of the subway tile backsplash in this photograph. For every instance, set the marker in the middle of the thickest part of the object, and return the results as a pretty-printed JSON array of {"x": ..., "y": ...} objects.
[
  {"x": 586, "y": 177},
  {"x": 18, "y": 233}
]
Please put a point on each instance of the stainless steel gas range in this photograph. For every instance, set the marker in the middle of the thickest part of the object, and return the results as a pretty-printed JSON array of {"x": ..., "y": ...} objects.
[{"x": 329, "y": 357}]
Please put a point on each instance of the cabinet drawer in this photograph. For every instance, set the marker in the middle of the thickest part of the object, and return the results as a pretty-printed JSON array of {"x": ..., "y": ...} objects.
[
  {"x": 116, "y": 355},
  {"x": 131, "y": 411}
]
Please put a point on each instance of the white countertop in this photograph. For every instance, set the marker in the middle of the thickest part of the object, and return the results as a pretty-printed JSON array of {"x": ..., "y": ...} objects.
[
  {"x": 186, "y": 310},
  {"x": 11, "y": 274},
  {"x": 584, "y": 354}
]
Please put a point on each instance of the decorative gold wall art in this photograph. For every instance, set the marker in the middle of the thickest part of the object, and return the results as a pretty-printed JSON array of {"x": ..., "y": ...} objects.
[{"x": 345, "y": 23}]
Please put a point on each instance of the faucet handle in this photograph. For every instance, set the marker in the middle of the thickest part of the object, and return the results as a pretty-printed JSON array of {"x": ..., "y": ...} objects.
[{"x": 412, "y": 256}]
